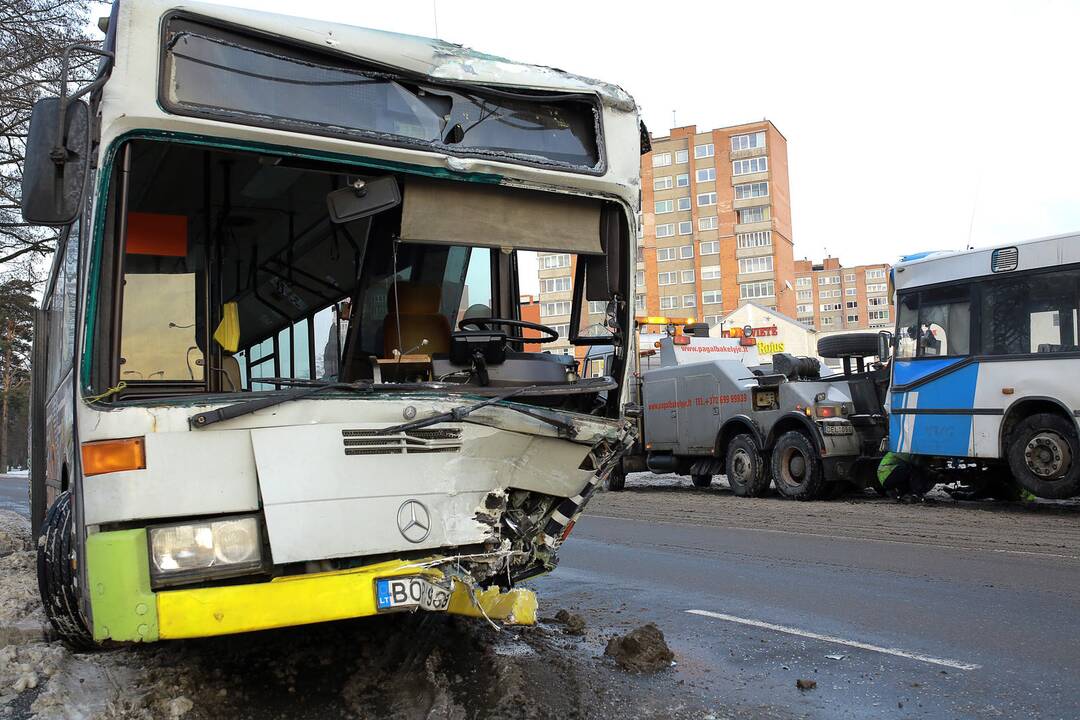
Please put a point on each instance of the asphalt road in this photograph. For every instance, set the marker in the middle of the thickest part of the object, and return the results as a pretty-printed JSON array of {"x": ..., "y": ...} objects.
[
  {"x": 957, "y": 633},
  {"x": 13, "y": 494}
]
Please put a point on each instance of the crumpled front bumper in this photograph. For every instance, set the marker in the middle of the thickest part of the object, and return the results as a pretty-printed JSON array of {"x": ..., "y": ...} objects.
[{"x": 126, "y": 609}]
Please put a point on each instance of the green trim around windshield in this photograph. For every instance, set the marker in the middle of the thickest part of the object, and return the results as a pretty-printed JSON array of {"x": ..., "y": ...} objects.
[{"x": 105, "y": 176}]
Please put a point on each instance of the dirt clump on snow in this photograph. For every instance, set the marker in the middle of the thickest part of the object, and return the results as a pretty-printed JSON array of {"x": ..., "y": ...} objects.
[
  {"x": 572, "y": 622},
  {"x": 641, "y": 650}
]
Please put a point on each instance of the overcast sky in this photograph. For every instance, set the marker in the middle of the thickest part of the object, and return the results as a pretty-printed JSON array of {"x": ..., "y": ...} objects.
[{"x": 910, "y": 126}]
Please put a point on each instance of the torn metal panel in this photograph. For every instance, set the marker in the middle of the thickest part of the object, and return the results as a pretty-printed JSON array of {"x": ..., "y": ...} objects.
[{"x": 603, "y": 456}]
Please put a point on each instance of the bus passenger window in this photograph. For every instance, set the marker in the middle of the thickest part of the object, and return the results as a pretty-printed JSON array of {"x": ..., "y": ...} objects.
[{"x": 1031, "y": 314}]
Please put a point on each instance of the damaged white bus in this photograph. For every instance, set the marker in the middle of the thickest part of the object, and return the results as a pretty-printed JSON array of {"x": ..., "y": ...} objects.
[{"x": 280, "y": 375}]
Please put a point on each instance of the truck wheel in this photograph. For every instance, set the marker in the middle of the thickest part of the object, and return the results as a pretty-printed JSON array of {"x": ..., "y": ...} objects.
[
  {"x": 1044, "y": 456},
  {"x": 701, "y": 480},
  {"x": 58, "y": 575},
  {"x": 745, "y": 468},
  {"x": 616, "y": 481},
  {"x": 795, "y": 467}
]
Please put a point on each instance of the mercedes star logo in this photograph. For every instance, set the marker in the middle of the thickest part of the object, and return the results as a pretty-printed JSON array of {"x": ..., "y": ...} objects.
[{"x": 413, "y": 521}]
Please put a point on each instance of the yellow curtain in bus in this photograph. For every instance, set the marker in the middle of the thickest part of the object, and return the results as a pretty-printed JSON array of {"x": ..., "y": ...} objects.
[{"x": 227, "y": 333}]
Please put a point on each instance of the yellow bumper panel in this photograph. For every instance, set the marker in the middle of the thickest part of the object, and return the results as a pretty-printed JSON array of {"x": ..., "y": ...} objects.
[
  {"x": 305, "y": 599},
  {"x": 515, "y": 607}
]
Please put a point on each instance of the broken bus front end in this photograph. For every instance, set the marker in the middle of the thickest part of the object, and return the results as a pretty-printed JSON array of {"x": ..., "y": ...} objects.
[{"x": 305, "y": 390}]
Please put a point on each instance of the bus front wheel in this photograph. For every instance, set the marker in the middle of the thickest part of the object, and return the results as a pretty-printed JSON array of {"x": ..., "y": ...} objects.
[
  {"x": 58, "y": 576},
  {"x": 1044, "y": 456}
]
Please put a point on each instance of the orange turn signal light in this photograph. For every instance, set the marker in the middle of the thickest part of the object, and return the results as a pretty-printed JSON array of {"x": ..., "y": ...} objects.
[{"x": 106, "y": 456}]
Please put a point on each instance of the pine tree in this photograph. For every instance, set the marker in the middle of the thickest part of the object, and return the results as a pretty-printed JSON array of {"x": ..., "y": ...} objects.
[{"x": 16, "y": 340}]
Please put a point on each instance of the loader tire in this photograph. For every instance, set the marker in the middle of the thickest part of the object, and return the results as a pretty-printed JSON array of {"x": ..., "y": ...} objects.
[
  {"x": 58, "y": 575},
  {"x": 745, "y": 467},
  {"x": 1044, "y": 456},
  {"x": 796, "y": 469},
  {"x": 701, "y": 481}
]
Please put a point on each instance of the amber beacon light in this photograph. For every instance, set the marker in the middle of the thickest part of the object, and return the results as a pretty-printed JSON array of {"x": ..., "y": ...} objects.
[{"x": 106, "y": 456}]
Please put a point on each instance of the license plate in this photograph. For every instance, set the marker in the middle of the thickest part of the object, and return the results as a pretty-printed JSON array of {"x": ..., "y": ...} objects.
[{"x": 410, "y": 592}]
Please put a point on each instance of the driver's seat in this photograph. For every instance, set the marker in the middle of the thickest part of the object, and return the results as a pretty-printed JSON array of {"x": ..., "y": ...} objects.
[{"x": 416, "y": 309}]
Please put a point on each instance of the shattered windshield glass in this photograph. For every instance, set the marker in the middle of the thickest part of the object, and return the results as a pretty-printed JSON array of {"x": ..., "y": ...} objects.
[{"x": 209, "y": 71}]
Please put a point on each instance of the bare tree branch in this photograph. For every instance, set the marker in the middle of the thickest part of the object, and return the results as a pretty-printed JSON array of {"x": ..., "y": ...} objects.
[{"x": 33, "y": 34}]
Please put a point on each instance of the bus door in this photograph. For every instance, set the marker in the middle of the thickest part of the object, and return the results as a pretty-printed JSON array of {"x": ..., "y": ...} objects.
[{"x": 934, "y": 377}]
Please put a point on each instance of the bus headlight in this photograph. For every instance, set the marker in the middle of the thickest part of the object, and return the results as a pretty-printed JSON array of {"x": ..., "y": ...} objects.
[{"x": 213, "y": 548}]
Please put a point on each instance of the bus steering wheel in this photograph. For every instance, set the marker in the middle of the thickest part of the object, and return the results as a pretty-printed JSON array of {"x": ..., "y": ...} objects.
[{"x": 549, "y": 334}]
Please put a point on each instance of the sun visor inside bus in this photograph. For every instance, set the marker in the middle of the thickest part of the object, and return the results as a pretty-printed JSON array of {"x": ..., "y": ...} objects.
[
  {"x": 457, "y": 213},
  {"x": 157, "y": 234}
]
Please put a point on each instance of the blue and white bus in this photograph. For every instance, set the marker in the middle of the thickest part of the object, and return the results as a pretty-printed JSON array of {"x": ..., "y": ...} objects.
[{"x": 987, "y": 360}]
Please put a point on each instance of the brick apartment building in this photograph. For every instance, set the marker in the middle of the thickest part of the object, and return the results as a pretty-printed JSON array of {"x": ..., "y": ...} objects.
[
  {"x": 830, "y": 297},
  {"x": 715, "y": 230},
  {"x": 716, "y": 223}
]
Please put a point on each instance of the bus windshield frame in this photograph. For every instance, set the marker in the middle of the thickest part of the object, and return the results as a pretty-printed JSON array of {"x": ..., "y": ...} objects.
[{"x": 239, "y": 75}]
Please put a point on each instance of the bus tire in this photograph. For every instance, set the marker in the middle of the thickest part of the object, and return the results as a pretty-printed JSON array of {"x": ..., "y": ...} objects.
[
  {"x": 745, "y": 467},
  {"x": 58, "y": 577},
  {"x": 616, "y": 479},
  {"x": 1044, "y": 456},
  {"x": 796, "y": 469}
]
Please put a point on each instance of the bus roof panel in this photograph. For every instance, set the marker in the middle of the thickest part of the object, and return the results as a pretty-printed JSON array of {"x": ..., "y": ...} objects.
[{"x": 942, "y": 267}]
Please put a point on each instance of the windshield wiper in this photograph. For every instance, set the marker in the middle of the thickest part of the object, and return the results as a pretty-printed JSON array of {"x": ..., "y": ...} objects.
[
  {"x": 247, "y": 407},
  {"x": 460, "y": 413}
]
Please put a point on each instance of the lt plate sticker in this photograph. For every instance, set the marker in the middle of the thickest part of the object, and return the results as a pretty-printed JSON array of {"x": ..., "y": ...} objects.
[{"x": 405, "y": 592}]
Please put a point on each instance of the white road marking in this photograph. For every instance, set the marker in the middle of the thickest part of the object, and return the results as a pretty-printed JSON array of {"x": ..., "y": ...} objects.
[{"x": 955, "y": 664}]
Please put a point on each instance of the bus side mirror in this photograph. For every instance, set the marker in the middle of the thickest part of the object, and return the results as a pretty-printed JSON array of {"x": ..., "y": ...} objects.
[
  {"x": 884, "y": 345},
  {"x": 54, "y": 172}
]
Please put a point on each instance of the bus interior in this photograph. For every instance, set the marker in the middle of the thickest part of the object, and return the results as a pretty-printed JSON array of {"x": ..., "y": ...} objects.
[{"x": 239, "y": 272}]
